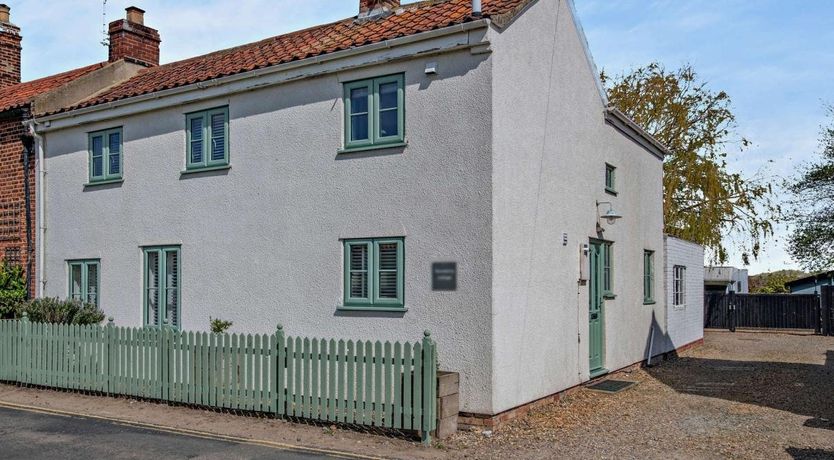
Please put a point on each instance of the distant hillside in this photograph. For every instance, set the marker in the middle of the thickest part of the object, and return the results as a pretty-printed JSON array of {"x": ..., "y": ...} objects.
[{"x": 773, "y": 282}]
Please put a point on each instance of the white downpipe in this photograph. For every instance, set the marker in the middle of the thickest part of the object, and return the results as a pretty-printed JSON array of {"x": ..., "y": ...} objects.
[{"x": 41, "y": 178}]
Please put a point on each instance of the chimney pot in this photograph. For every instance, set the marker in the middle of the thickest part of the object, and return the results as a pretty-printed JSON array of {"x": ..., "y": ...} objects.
[
  {"x": 135, "y": 15},
  {"x": 4, "y": 13}
]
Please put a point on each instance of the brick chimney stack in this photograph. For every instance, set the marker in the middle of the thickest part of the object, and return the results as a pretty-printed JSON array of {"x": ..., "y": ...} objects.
[
  {"x": 131, "y": 38},
  {"x": 372, "y": 7},
  {"x": 9, "y": 49}
]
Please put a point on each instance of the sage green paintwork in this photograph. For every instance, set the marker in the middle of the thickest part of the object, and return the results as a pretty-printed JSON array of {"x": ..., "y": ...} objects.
[
  {"x": 596, "y": 309},
  {"x": 388, "y": 385}
]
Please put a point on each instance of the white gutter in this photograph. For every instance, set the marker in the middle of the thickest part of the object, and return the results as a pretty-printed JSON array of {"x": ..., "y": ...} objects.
[
  {"x": 46, "y": 121},
  {"x": 40, "y": 280}
]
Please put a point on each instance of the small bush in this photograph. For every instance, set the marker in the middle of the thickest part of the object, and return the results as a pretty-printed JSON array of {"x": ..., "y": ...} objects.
[
  {"x": 51, "y": 310},
  {"x": 218, "y": 326},
  {"x": 12, "y": 290}
]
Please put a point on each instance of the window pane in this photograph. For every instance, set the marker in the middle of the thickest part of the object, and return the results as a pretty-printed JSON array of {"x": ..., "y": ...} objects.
[
  {"x": 388, "y": 95},
  {"x": 75, "y": 282},
  {"x": 359, "y": 127},
  {"x": 98, "y": 156},
  {"x": 359, "y": 271},
  {"x": 196, "y": 128},
  {"x": 92, "y": 284},
  {"x": 98, "y": 146},
  {"x": 115, "y": 147},
  {"x": 172, "y": 281},
  {"x": 152, "y": 289},
  {"x": 388, "y": 285},
  {"x": 389, "y": 123},
  {"x": 218, "y": 136},
  {"x": 359, "y": 100}
]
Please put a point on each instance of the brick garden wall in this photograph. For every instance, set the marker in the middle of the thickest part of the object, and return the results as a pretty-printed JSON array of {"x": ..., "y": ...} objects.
[{"x": 12, "y": 197}]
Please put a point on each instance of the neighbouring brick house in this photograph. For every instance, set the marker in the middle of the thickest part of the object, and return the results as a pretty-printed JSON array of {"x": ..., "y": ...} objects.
[{"x": 133, "y": 47}]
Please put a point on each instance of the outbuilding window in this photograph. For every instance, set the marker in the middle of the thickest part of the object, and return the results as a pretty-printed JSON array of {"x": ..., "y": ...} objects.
[
  {"x": 207, "y": 135},
  {"x": 84, "y": 280},
  {"x": 648, "y": 277},
  {"x": 374, "y": 112},
  {"x": 679, "y": 286},
  {"x": 105, "y": 148},
  {"x": 373, "y": 273}
]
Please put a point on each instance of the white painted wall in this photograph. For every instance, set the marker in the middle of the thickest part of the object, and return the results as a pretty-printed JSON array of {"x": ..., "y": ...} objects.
[
  {"x": 261, "y": 242},
  {"x": 686, "y": 322},
  {"x": 506, "y": 151},
  {"x": 551, "y": 144}
]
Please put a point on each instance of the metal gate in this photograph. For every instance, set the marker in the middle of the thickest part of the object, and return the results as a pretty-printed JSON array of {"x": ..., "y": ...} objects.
[{"x": 778, "y": 311}]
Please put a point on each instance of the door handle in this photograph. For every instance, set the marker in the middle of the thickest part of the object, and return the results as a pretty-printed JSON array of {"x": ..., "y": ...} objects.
[{"x": 594, "y": 315}]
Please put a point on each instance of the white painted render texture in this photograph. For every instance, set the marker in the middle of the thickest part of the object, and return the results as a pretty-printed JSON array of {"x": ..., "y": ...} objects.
[
  {"x": 506, "y": 151},
  {"x": 685, "y": 322}
]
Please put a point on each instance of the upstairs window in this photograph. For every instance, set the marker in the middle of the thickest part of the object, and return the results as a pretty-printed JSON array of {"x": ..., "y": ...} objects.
[
  {"x": 207, "y": 134},
  {"x": 374, "y": 273},
  {"x": 374, "y": 112},
  {"x": 84, "y": 280},
  {"x": 610, "y": 179},
  {"x": 105, "y": 149}
]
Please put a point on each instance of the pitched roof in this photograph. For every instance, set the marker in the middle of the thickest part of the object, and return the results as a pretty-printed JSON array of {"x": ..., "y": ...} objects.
[
  {"x": 316, "y": 41},
  {"x": 22, "y": 94}
]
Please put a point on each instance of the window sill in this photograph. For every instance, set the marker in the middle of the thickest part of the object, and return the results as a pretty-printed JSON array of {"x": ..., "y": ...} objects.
[
  {"x": 609, "y": 296},
  {"x": 649, "y": 302},
  {"x": 610, "y": 191},
  {"x": 103, "y": 182},
  {"x": 363, "y": 148},
  {"x": 206, "y": 169},
  {"x": 372, "y": 308}
]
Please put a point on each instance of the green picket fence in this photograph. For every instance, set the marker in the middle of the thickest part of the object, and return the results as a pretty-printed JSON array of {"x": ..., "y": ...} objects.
[{"x": 389, "y": 385}]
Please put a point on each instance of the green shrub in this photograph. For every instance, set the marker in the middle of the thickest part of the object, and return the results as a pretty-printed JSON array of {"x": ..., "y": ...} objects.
[
  {"x": 12, "y": 290},
  {"x": 218, "y": 326},
  {"x": 51, "y": 310}
]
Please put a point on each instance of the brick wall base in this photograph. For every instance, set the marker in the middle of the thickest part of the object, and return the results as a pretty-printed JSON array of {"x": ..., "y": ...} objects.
[{"x": 494, "y": 422}]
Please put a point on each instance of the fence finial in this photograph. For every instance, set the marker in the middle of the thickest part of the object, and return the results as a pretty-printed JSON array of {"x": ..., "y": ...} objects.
[
  {"x": 280, "y": 327},
  {"x": 110, "y": 321},
  {"x": 25, "y": 316},
  {"x": 427, "y": 333}
]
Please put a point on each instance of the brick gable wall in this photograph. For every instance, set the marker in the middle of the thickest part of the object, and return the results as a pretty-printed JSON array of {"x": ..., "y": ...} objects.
[{"x": 12, "y": 197}]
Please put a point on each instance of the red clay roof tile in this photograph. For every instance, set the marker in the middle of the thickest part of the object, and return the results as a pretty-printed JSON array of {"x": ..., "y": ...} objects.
[
  {"x": 328, "y": 38},
  {"x": 22, "y": 94}
]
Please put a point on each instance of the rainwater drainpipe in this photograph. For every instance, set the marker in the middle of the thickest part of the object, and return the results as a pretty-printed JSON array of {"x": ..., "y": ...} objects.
[
  {"x": 41, "y": 177},
  {"x": 28, "y": 145},
  {"x": 476, "y": 8}
]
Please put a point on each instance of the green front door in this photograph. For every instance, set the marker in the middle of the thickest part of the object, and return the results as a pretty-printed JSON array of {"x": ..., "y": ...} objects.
[{"x": 596, "y": 311}]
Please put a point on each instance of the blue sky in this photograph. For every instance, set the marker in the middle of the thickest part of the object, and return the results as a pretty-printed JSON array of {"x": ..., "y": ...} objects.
[{"x": 774, "y": 58}]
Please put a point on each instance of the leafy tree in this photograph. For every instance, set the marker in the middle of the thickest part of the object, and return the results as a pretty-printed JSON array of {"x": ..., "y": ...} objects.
[
  {"x": 12, "y": 290},
  {"x": 812, "y": 209},
  {"x": 774, "y": 282},
  {"x": 702, "y": 200}
]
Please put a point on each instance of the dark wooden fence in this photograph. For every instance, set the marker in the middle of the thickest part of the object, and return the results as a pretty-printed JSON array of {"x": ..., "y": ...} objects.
[
  {"x": 826, "y": 326},
  {"x": 778, "y": 311}
]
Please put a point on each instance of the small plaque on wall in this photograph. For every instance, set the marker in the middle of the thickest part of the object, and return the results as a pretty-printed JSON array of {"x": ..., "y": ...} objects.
[{"x": 444, "y": 276}]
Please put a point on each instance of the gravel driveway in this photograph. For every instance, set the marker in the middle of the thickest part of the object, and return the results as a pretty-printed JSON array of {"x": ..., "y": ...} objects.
[{"x": 750, "y": 394}]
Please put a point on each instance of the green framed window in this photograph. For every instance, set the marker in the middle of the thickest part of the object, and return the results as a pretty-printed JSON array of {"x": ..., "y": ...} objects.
[
  {"x": 374, "y": 112},
  {"x": 207, "y": 139},
  {"x": 373, "y": 273},
  {"x": 607, "y": 270},
  {"x": 161, "y": 287},
  {"x": 610, "y": 179},
  {"x": 84, "y": 280},
  {"x": 105, "y": 148},
  {"x": 648, "y": 277}
]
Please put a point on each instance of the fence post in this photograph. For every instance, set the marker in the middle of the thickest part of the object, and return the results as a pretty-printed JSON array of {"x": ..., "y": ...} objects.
[
  {"x": 731, "y": 311},
  {"x": 108, "y": 354},
  {"x": 278, "y": 353},
  {"x": 827, "y": 299},
  {"x": 429, "y": 388},
  {"x": 24, "y": 362},
  {"x": 818, "y": 315}
]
